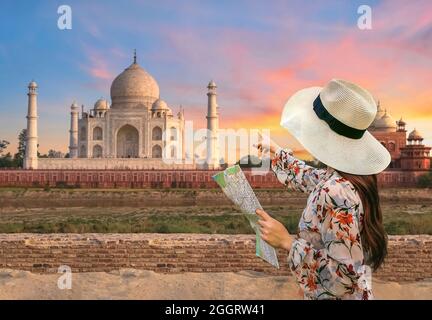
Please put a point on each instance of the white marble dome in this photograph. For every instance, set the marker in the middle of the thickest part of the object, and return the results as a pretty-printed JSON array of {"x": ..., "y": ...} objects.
[
  {"x": 32, "y": 84},
  {"x": 159, "y": 104},
  {"x": 385, "y": 122},
  {"x": 101, "y": 104},
  {"x": 212, "y": 84},
  {"x": 134, "y": 84}
]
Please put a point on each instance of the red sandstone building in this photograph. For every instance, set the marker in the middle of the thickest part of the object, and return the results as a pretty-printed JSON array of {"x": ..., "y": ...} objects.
[{"x": 410, "y": 157}]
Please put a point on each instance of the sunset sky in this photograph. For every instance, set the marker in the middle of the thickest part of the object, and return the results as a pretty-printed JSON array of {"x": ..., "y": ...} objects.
[{"x": 258, "y": 52}]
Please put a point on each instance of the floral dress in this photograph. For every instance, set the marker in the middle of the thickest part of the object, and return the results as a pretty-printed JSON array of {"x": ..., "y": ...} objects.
[{"x": 327, "y": 256}]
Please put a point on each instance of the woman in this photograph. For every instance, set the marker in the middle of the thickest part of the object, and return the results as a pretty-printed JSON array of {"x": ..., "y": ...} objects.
[{"x": 340, "y": 230}]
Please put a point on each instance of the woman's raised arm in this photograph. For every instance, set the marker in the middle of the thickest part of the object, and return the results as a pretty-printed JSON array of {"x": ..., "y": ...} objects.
[{"x": 294, "y": 172}]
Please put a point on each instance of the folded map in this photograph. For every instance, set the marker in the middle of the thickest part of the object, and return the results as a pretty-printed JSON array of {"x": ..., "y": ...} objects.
[{"x": 236, "y": 187}]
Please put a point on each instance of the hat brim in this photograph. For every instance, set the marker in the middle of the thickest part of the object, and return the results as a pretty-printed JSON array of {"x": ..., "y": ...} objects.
[{"x": 362, "y": 156}]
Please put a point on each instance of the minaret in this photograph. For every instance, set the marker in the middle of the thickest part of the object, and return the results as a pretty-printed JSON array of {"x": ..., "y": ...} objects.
[
  {"x": 212, "y": 127},
  {"x": 181, "y": 117},
  {"x": 401, "y": 125},
  {"x": 73, "y": 132},
  {"x": 30, "y": 158}
]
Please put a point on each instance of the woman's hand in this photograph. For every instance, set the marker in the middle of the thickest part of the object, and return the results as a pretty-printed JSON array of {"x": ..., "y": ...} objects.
[
  {"x": 273, "y": 232},
  {"x": 267, "y": 145}
]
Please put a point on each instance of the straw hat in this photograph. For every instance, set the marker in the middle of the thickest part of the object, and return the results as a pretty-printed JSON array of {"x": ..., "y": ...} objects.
[{"x": 331, "y": 123}]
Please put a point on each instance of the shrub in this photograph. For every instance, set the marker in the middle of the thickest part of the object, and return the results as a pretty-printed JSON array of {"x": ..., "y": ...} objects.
[{"x": 425, "y": 181}]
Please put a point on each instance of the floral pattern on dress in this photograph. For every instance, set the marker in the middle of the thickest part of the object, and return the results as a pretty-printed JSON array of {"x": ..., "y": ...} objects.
[{"x": 327, "y": 257}]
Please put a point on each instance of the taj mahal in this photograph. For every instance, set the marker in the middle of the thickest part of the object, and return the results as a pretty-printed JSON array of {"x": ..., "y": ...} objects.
[{"x": 138, "y": 130}]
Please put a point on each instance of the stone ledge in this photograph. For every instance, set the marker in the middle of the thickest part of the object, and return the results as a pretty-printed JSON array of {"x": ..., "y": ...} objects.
[{"x": 409, "y": 258}]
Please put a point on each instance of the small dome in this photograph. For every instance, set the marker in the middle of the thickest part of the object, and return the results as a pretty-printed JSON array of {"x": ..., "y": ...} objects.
[
  {"x": 211, "y": 85},
  {"x": 401, "y": 122},
  {"x": 101, "y": 104},
  {"x": 415, "y": 135},
  {"x": 385, "y": 122},
  {"x": 74, "y": 105},
  {"x": 32, "y": 84},
  {"x": 159, "y": 104}
]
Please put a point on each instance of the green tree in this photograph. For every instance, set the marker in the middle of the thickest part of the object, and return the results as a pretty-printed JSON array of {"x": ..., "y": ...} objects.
[
  {"x": 3, "y": 145},
  {"x": 19, "y": 156},
  {"x": 6, "y": 161},
  {"x": 425, "y": 181},
  {"x": 55, "y": 154}
]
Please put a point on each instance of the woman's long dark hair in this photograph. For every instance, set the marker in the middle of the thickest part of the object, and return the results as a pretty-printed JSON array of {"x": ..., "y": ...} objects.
[{"x": 373, "y": 235}]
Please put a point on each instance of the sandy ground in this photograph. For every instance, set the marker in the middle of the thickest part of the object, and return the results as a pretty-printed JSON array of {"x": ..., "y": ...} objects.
[{"x": 138, "y": 284}]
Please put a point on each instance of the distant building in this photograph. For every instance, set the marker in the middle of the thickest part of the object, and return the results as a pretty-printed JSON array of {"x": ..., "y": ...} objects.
[
  {"x": 137, "y": 130},
  {"x": 410, "y": 157}
]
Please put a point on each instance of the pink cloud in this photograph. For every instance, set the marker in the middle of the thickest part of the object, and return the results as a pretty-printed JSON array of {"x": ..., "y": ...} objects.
[
  {"x": 100, "y": 72},
  {"x": 258, "y": 70},
  {"x": 98, "y": 66}
]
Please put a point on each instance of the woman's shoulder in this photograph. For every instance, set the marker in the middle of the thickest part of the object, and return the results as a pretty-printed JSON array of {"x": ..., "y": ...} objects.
[{"x": 339, "y": 190}]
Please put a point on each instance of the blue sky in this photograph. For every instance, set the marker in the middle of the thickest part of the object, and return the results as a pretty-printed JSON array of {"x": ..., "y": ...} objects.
[{"x": 258, "y": 52}]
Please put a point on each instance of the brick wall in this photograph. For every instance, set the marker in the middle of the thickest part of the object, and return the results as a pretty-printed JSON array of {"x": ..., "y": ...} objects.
[
  {"x": 160, "y": 178},
  {"x": 410, "y": 257},
  {"x": 125, "y": 178}
]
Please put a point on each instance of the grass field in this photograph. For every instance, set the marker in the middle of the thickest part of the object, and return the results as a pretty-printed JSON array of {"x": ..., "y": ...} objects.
[
  {"x": 406, "y": 211},
  {"x": 398, "y": 219}
]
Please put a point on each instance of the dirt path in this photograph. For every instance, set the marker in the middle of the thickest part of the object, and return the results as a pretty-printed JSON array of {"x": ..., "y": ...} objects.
[{"x": 138, "y": 284}]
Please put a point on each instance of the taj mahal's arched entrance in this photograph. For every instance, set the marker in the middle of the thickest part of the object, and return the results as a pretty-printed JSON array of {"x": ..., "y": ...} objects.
[
  {"x": 156, "y": 151},
  {"x": 127, "y": 142}
]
